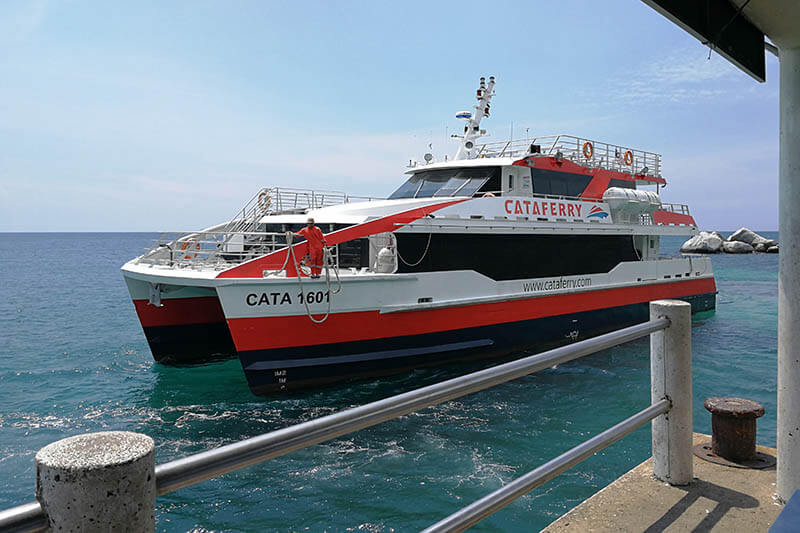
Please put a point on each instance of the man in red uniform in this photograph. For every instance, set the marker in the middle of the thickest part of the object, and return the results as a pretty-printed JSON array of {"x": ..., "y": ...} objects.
[{"x": 316, "y": 241}]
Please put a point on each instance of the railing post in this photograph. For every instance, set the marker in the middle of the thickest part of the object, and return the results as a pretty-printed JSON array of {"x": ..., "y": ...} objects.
[
  {"x": 671, "y": 378},
  {"x": 98, "y": 482}
]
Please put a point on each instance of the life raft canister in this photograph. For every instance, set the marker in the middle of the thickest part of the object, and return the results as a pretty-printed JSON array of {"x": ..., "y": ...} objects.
[
  {"x": 186, "y": 248},
  {"x": 628, "y": 157},
  {"x": 588, "y": 150}
]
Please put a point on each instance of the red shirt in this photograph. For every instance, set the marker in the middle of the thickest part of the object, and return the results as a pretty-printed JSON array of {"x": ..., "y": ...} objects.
[{"x": 314, "y": 237}]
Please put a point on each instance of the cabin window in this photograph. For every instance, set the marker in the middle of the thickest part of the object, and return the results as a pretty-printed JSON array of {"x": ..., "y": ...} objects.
[
  {"x": 493, "y": 184},
  {"x": 511, "y": 183},
  {"x": 559, "y": 183},
  {"x": 448, "y": 182},
  {"x": 354, "y": 254},
  {"x": 622, "y": 183}
]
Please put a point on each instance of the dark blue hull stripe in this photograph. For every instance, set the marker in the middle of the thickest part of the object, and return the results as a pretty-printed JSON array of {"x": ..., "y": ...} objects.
[{"x": 370, "y": 356}]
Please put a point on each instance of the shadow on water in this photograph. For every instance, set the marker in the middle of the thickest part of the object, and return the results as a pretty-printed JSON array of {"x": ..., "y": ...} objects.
[{"x": 208, "y": 383}]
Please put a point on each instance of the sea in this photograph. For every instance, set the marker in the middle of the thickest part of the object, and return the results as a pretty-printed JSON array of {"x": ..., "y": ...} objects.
[{"x": 73, "y": 359}]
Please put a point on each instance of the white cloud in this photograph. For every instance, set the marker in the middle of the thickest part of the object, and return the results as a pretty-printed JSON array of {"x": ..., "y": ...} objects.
[{"x": 683, "y": 76}]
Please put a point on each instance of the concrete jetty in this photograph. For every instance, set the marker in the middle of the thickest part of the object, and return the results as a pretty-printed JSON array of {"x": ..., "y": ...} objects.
[{"x": 720, "y": 498}]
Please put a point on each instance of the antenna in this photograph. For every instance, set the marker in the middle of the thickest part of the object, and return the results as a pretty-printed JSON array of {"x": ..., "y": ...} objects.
[{"x": 472, "y": 130}]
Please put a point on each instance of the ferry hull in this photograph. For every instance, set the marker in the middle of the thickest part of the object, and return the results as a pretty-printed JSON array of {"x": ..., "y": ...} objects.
[
  {"x": 188, "y": 327},
  {"x": 283, "y": 353},
  {"x": 271, "y": 371}
]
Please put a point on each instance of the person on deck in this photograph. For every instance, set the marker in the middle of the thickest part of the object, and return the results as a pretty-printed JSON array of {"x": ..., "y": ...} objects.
[{"x": 316, "y": 241}]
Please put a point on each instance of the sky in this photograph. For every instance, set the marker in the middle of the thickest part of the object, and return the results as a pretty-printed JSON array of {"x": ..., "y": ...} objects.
[{"x": 169, "y": 116}]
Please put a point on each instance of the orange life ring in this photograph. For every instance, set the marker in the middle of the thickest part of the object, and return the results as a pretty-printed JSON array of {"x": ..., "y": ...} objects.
[
  {"x": 588, "y": 150},
  {"x": 186, "y": 248},
  {"x": 628, "y": 157}
]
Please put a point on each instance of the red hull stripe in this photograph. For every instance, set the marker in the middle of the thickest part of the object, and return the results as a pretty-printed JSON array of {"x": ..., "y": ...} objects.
[
  {"x": 180, "y": 311},
  {"x": 275, "y": 260},
  {"x": 281, "y": 332},
  {"x": 675, "y": 219}
]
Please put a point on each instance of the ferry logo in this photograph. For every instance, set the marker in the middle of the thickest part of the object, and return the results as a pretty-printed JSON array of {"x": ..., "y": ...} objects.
[{"x": 596, "y": 212}]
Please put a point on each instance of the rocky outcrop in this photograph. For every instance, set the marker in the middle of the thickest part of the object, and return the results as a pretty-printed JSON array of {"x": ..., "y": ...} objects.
[
  {"x": 744, "y": 235},
  {"x": 704, "y": 243},
  {"x": 751, "y": 237},
  {"x": 742, "y": 241},
  {"x": 736, "y": 247}
]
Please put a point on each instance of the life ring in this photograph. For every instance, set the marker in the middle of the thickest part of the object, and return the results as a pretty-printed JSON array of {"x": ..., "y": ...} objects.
[
  {"x": 588, "y": 150},
  {"x": 186, "y": 248},
  {"x": 264, "y": 201},
  {"x": 628, "y": 157}
]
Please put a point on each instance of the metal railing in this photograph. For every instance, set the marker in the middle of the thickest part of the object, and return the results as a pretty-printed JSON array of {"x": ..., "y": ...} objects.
[
  {"x": 239, "y": 239},
  {"x": 601, "y": 155},
  {"x": 286, "y": 200},
  {"x": 211, "y": 249},
  {"x": 682, "y": 209},
  {"x": 200, "y": 467}
]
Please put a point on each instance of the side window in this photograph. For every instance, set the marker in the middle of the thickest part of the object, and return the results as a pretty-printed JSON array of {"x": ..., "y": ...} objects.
[
  {"x": 558, "y": 187},
  {"x": 511, "y": 182}
]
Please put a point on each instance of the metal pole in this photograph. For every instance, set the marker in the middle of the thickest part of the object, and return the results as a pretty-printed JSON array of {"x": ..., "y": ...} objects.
[
  {"x": 469, "y": 515},
  {"x": 789, "y": 276},
  {"x": 27, "y": 518},
  {"x": 671, "y": 379}
]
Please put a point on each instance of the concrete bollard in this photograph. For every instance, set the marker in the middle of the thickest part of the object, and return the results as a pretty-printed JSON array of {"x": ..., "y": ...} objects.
[
  {"x": 671, "y": 377},
  {"x": 98, "y": 482}
]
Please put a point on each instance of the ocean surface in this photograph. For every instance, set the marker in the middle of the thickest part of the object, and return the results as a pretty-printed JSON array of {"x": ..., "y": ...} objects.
[{"x": 73, "y": 359}]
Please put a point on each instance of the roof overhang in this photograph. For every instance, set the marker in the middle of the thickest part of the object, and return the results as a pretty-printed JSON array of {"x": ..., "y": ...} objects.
[{"x": 461, "y": 163}]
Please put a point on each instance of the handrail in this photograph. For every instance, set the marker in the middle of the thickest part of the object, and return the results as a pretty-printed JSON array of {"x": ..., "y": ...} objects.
[
  {"x": 209, "y": 464},
  {"x": 25, "y": 518},
  {"x": 473, "y": 513},
  {"x": 206, "y": 465}
]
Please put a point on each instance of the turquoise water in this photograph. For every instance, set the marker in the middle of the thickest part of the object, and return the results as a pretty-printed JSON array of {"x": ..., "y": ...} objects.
[{"x": 73, "y": 359}]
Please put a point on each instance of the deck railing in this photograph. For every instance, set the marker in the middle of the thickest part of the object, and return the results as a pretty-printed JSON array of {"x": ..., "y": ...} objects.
[
  {"x": 669, "y": 328},
  {"x": 587, "y": 152},
  {"x": 211, "y": 249}
]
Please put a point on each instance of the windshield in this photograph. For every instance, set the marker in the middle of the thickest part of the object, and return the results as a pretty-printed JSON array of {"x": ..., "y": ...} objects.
[{"x": 445, "y": 182}]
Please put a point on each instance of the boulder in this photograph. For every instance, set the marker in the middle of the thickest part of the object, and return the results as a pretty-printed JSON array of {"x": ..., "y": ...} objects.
[
  {"x": 704, "y": 243},
  {"x": 736, "y": 247},
  {"x": 772, "y": 249},
  {"x": 760, "y": 247},
  {"x": 771, "y": 242},
  {"x": 718, "y": 235},
  {"x": 750, "y": 237}
]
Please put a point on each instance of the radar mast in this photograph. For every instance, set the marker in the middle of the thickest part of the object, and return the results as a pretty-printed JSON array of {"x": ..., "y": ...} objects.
[{"x": 472, "y": 130}]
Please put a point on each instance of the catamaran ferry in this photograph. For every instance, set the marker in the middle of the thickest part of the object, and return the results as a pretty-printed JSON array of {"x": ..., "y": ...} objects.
[{"x": 507, "y": 246}]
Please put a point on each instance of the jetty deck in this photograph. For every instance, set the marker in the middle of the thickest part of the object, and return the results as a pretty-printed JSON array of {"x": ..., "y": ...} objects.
[{"x": 721, "y": 498}]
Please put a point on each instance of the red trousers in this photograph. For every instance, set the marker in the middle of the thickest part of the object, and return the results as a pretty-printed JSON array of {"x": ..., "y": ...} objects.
[{"x": 315, "y": 260}]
